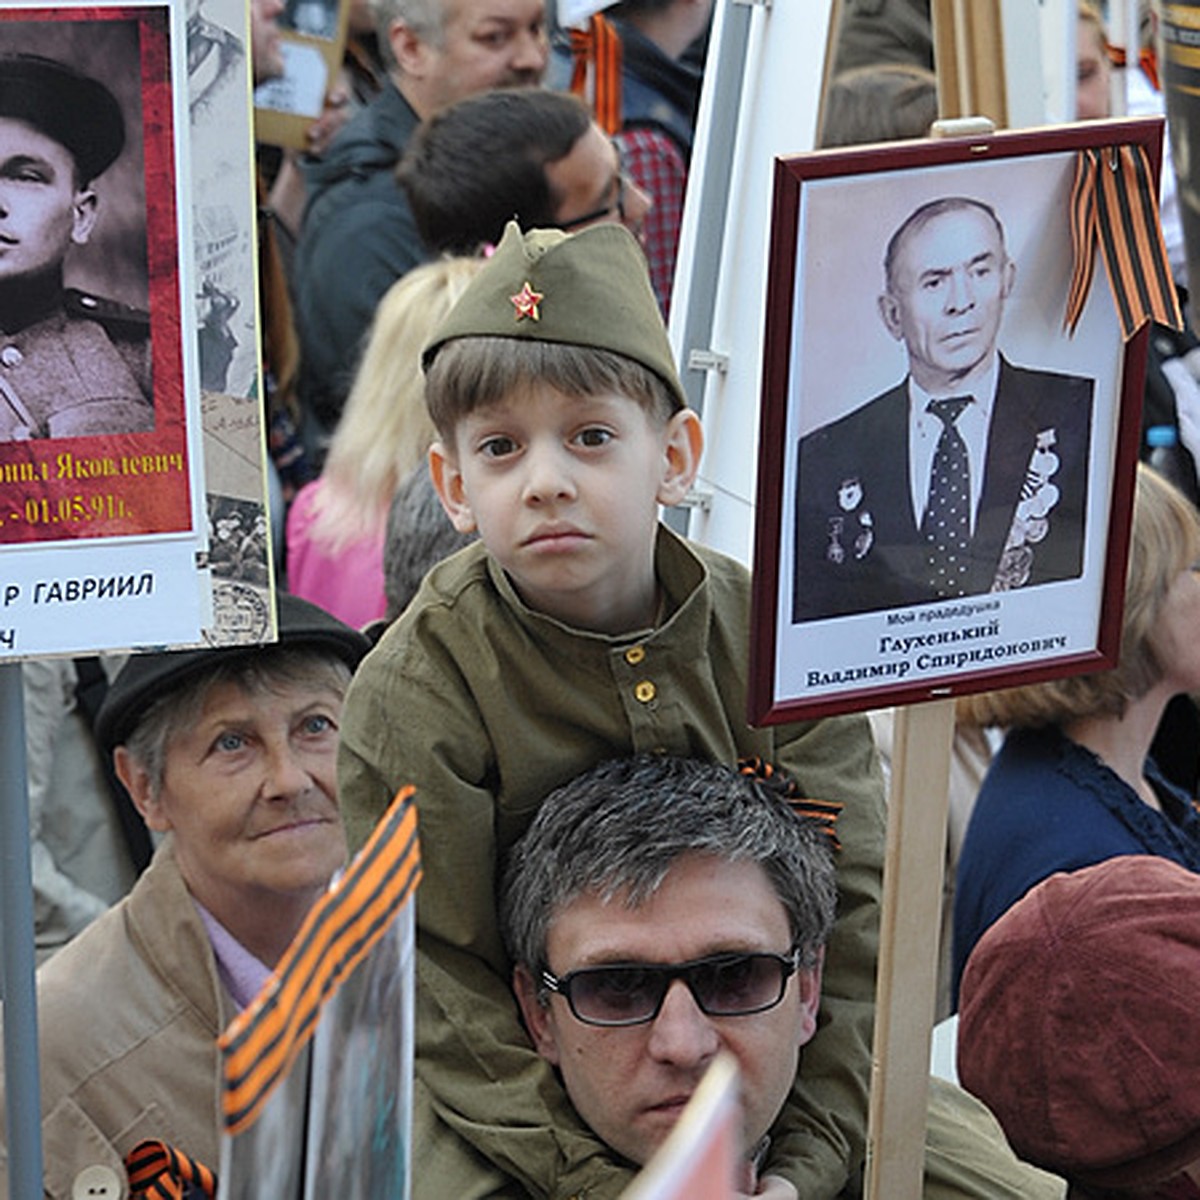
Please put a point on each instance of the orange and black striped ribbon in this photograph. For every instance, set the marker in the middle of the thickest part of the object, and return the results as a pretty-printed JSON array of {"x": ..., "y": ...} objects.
[
  {"x": 158, "y": 1171},
  {"x": 1148, "y": 61},
  {"x": 1114, "y": 206},
  {"x": 596, "y": 52},
  {"x": 263, "y": 1041},
  {"x": 823, "y": 813}
]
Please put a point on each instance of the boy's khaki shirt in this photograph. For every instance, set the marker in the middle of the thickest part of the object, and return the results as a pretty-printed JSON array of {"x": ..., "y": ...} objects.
[{"x": 486, "y": 707}]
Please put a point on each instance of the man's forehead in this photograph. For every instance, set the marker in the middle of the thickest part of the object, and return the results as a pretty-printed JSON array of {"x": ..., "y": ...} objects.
[
  {"x": 702, "y": 906},
  {"x": 23, "y": 137},
  {"x": 958, "y": 235}
]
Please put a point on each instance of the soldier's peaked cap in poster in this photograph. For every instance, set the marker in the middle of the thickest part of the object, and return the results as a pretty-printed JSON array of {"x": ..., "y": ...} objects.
[{"x": 74, "y": 109}]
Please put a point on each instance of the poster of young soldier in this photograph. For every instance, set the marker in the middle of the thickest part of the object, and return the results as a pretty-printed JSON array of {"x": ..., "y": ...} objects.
[
  {"x": 947, "y": 444},
  {"x": 100, "y": 478}
]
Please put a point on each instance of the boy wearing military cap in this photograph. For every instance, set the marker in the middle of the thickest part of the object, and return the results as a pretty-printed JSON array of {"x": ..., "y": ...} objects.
[
  {"x": 578, "y": 629},
  {"x": 71, "y": 364},
  {"x": 229, "y": 755}
]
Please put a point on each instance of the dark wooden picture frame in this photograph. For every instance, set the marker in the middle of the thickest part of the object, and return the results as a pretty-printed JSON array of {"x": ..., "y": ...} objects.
[{"x": 839, "y": 622}]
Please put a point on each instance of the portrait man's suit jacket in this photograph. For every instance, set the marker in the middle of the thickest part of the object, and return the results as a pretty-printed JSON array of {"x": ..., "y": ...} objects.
[{"x": 858, "y": 546}]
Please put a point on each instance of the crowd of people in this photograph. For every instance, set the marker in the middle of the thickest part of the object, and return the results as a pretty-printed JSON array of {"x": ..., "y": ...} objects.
[{"x": 623, "y": 878}]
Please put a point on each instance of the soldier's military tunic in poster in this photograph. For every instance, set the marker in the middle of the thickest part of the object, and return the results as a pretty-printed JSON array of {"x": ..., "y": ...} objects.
[{"x": 81, "y": 368}]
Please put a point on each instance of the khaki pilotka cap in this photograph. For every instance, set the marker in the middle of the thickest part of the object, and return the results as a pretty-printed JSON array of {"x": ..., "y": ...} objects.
[{"x": 590, "y": 288}]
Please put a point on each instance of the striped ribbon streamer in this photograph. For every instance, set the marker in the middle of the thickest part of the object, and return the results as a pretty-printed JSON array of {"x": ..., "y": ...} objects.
[
  {"x": 598, "y": 47},
  {"x": 823, "y": 813},
  {"x": 262, "y": 1042},
  {"x": 158, "y": 1171},
  {"x": 1114, "y": 205}
]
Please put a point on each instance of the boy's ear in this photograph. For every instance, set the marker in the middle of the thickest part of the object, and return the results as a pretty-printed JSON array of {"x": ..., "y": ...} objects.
[
  {"x": 535, "y": 1014},
  {"x": 683, "y": 448},
  {"x": 141, "y": 791},
  {"x": 448, "y": 483}
]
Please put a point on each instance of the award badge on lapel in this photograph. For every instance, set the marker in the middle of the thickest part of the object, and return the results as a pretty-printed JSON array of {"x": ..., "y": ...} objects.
[
  {"x": 861, "y": 524},
  {"x": 1031, "y": 522}
]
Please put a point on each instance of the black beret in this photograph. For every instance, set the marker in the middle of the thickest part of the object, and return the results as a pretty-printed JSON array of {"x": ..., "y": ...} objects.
[
  {"x": 146, "y": 677},
  {"x": 77, "y": 111}
]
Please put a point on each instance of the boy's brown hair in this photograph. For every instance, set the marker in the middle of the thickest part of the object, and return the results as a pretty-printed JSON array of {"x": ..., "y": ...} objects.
[{"x": 474, "y": 372}]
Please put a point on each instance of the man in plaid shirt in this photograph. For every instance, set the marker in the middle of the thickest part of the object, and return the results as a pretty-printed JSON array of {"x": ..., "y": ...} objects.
[{"x": 660, "y": 91}]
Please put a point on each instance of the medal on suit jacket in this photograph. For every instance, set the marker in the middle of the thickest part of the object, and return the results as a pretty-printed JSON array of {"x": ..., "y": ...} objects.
[
  {"x": 1031, "y": 522},
  {"x": 850, "y": 498}
]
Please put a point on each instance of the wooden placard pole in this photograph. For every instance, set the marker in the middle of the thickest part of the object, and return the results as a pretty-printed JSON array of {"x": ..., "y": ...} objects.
[
  {"x": 969, "y": 57},
  {"x": 908, "y": 949}
]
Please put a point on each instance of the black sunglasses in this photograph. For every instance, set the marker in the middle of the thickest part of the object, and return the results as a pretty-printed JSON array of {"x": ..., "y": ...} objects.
[{"x": 723, "y": 985}]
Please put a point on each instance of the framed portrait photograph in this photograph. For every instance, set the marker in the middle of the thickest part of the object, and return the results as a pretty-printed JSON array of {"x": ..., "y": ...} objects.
[
  {"x": 946, "y": 459},
  {"x": 132, "y": 449}
]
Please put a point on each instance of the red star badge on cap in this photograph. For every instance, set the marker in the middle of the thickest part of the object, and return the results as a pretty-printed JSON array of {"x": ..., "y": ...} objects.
[{"x": 526, "y": 303}]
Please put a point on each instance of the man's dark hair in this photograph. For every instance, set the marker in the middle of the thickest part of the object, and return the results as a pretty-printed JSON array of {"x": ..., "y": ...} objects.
[
  {"x": 618, "y": 828},
  {"x": 480, "y": 163}
]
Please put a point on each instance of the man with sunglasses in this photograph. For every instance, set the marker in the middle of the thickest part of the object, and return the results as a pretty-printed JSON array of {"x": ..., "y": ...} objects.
[
  {"x": 660, "y": 910},
  {"x": 533, "y": 156}
]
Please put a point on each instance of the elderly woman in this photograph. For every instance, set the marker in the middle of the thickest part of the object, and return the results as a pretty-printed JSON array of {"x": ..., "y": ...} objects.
[
  {"x": 1073, "y": 783},
  {"x": 229, "y": 753}
]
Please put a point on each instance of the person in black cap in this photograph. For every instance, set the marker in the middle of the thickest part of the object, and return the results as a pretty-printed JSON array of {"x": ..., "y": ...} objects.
[
  {"x": 229, "y": 755},
  {"x": 71, "y": 363}
]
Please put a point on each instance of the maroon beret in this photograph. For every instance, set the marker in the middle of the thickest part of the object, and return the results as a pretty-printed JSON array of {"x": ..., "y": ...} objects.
[{"x": 1079, "y": 1022}]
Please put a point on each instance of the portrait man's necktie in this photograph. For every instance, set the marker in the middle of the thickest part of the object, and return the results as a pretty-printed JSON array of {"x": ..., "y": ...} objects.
[{"x": 947, "y": 524}]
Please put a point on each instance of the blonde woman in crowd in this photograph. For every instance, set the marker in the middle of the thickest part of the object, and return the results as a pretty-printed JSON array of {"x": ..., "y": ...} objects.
[
  {"x": 1074, "y": 783},
  {"x": 335, "y": 528}
]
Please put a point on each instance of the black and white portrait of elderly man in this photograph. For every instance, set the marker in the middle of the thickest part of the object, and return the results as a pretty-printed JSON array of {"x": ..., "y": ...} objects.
[{"x": 968, "y": 476}]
